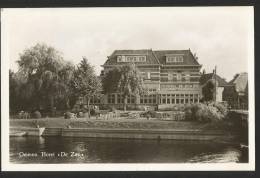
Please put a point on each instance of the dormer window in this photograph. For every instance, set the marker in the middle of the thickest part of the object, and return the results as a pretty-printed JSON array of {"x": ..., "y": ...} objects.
[
  {"x": 131, "y": 58},
  {"x": 174, "y": 59},
  {"x": 119, "y": 59}
]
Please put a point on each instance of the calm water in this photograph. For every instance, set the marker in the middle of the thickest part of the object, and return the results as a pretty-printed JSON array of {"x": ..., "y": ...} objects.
[{"x": 99, "y": 150}]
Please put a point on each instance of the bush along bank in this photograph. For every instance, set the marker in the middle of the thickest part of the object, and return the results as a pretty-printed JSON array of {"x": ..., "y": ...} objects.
[
  {"x": 218, "y": 117},
  {"x": 210, "y": 112}
]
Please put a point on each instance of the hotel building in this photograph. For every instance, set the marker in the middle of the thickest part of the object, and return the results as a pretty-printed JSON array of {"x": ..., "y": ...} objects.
[{"x": 170, "y": 76}]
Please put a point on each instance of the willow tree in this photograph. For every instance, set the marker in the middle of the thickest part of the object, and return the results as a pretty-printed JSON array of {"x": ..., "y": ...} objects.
[
  {"x": 125, "y": 80},
  {"x": 85, "y": 83},
  {"x": 40, "y": 69}
]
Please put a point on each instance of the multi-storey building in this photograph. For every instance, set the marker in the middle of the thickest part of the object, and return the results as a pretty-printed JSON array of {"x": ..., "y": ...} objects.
[{"x": 171, "y": 77}]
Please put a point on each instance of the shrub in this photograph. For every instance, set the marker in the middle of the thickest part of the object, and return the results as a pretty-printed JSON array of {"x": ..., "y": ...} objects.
[
  {"x": 149, "y": 114},
  {"x": 205, "y": 113},
  {"x": 222, "y": 108},
  {"x": 37, "y": 115},
  {"x": 80, "y": 114},
  {"x": 92, "y": 112},
  {"x": 188, "y": 112},
  {"x": 112, "y": 108},
  {"x": 68, "y": 115}
]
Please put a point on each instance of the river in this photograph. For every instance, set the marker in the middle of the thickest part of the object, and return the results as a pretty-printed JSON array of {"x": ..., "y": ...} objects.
[{"x": 100, "y": 150}]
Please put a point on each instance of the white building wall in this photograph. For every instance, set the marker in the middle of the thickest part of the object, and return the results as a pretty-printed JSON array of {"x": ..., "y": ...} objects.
[{"x": 219, "y": 94}]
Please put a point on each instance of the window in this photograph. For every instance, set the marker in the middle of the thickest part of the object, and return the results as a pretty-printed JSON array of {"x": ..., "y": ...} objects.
[
  {"x": 187, "y": 77},
  {"x": 174, "y": 59},
  {"x": 132, "y": 99},
  {"x": 134, "y": 59},
  {"x": 154, "y": 99},
  {"x": 173, "y": 101},
  {"x": 119, "y": 58},
  {"x": 148, "y": 75},
  {"x": 120, "y": 98},
  {"x": 182, "y": 101},
  {"x": 111, "y": 98},
  {"x": 142, "y": 59},
  {"x": 178, "y": 76},
  {"x": 148, "y": 99},
  {"x": 164, "y": 100},
  {"x": 170, "y": 77},
  {"x": 128, "y": 99}
]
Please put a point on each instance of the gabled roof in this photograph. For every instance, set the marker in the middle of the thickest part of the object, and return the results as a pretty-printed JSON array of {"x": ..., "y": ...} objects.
[
  {"x": 206, "y": 77},
  {"x": 156, "y": 57},
  {"x": 150, "y": 57},
  {"x": 188, "y": 58},
  {"x": 240, "y": 81}
]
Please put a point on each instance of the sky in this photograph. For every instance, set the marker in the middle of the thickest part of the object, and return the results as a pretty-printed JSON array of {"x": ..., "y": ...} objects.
[{"x": 220, "y": 36}]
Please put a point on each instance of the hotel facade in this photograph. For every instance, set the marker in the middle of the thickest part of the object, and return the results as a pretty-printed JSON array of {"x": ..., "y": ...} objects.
[{"x": 171, "y": 77}]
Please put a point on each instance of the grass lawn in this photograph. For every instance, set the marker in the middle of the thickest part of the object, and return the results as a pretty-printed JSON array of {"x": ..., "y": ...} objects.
[{"x": 140, "y": 123}]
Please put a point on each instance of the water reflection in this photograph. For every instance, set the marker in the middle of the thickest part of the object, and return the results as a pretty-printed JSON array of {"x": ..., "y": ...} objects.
[{"x": 100, "y": 150}]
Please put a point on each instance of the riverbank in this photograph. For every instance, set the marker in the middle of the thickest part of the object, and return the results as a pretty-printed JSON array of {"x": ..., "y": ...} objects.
[
  {"x": 116, "y": 124},
  {"x": 125, "y": 128}
]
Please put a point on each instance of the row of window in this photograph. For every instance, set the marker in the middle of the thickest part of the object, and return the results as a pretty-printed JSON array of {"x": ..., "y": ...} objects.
[
  {"x": 172, "y": 59},
  {"x": 152, "y": 99},
  {"x": 93, "y": 100},
  {"x": 120, "y": 99},
  {"x": 179, "y": 98},
  {"x": 167, "y": 76},
  {"x": 148, "y": 99},
  {"x": 179, "y": 86},
  {"x": 131, "y": 58}
]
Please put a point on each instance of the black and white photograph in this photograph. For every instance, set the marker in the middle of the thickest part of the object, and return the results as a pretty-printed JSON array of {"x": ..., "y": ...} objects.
[{"x": 128, "y": 88}]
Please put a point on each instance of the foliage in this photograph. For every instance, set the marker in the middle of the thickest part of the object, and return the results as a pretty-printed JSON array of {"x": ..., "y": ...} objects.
[
  {"x": 68, "y": 115},
  {"x": 205, "y": 113},
  {"x": 125, "y": 80},
  {"x": 208, "y": 91},
  {"x": 110, "y": 80},
  {"x": 37, "y": 115},
  {"x": 149, "y": 114},
  {"x": 41, "y": 82},
  {"x": 112, "y": 108},
  {"x": 85, "y": 83},
  {"x": 94, "y": 112}
]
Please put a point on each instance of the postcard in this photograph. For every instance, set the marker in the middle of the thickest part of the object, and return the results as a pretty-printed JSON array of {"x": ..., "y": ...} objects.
[{"x": 128, "y": 89}]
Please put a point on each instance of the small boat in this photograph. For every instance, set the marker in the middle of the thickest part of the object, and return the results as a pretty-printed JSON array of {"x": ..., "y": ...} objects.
[
  {"x": 243, "y": 146},
  {"x": 17, "y": 134}
]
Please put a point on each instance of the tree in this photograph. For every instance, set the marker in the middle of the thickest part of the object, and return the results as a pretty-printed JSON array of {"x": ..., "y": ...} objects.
[
  {"x": 41, "y": 71},
  {"x": 85, "y": 82},
  {"x": 125, "y": 80},
  {"x": 13, "y": 92},
  {"x": 208, "y": 90}
]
